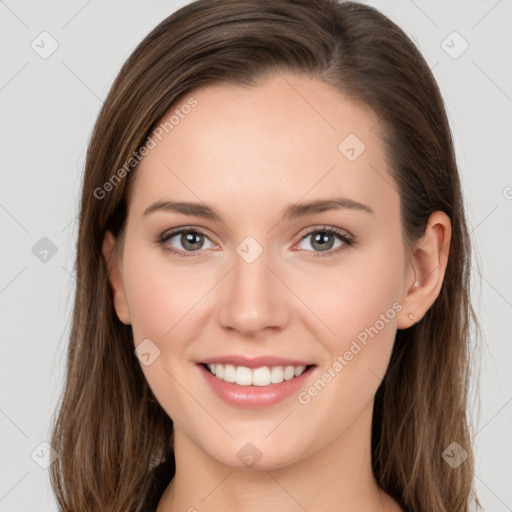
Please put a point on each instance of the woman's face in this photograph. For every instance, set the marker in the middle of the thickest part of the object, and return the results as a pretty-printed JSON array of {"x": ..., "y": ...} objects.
[{"x": 265, "y": 280}]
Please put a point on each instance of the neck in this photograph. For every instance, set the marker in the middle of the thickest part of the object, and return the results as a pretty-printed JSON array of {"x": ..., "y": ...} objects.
[{"x": 338, "y": 477}]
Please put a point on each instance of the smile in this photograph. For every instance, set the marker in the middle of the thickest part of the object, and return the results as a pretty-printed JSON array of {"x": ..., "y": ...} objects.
[
  {"x": 258, "y": 387},
  {"x": 263, "y": 376}
]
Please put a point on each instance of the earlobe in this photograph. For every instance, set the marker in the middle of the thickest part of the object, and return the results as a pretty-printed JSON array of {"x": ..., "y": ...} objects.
[
  {"x": 115, "y": 278},
  {"x": 426, "y": 270}
]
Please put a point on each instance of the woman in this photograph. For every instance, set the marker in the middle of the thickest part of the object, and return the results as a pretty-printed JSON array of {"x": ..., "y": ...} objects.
[{"x": 273, "y": 263}]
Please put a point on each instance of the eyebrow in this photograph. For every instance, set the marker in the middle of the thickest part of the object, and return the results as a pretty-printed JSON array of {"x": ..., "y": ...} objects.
[{"x": 293, "y": 211}]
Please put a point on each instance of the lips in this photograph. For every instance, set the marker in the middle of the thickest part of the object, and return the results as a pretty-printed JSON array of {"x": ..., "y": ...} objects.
[
  {"x": 256, "y": 362},
  {"x": 254, "y": 396}
]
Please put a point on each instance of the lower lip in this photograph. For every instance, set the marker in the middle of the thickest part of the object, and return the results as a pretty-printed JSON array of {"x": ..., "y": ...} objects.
[{"x": 254, "y": 397}]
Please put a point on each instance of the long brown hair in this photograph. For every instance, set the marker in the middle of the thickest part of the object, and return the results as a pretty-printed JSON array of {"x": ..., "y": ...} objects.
[{"x": 109, "y": 430}]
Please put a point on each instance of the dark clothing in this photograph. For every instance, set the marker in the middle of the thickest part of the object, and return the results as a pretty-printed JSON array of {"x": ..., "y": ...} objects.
[{"x": 162, "y": 475}]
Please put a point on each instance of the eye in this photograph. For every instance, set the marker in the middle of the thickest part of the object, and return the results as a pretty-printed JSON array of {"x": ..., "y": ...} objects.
[
  {"x": 191, "y": 240},
  {"x": 323, "y": 240}
]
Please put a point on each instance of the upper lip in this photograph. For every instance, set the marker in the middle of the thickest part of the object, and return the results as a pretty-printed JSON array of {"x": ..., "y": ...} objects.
[{"x": 255, "y": 362}]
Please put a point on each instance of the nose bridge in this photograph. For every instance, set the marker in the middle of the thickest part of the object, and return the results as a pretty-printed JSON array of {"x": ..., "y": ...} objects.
[{"x": 252, "y": 298}]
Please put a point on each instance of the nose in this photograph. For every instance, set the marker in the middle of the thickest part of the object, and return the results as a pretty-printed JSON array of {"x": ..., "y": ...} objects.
[{"x": 252, "y": 298}]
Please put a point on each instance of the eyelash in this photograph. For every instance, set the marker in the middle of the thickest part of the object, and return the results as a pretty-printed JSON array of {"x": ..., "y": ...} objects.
[{"x": 348, "y": 240}]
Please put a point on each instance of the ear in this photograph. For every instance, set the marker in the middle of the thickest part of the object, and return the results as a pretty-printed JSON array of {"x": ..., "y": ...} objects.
[
  {"x": 115, "y": 278},
  {"x": 425, "y": 270}
]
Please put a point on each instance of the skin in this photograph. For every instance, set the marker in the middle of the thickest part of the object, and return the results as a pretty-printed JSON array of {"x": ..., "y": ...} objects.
[{"x": 250, "y": 152}]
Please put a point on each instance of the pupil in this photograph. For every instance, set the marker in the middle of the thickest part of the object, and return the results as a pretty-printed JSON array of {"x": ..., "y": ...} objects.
[
  {"x": 189, "y": 240},
  {"x": 322, "y": 238}
]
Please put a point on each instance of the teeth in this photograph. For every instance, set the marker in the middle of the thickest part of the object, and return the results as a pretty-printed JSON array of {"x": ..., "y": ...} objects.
[
  {"x": 263, "y": 376},
  {"x": 229, "y": 373}
]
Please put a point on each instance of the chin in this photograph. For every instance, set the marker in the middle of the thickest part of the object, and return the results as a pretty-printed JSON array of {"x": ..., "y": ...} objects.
[{"x": 256, "y": 455}]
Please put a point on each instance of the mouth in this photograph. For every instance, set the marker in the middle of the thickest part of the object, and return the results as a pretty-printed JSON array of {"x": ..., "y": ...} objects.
[
  {"x": 257, "y": 386},
  {"x": 262, "y": 376}
]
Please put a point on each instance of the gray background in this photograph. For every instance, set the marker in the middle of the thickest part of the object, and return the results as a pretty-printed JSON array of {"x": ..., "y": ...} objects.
[{"x": 48, "y": 107}]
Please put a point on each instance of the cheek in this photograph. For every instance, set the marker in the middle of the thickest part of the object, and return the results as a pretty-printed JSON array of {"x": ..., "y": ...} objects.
[
  {"x": 343, "y": 300},
  {"x": 160, "y": 294},
  {"x": 349, "y": 298},
  {"x": 358, "y": 304},
  {"x": 164, "y": 300}
]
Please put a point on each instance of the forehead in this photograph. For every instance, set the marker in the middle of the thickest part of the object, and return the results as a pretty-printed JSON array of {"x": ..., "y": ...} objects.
[{"x": 290, "y": 137}]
